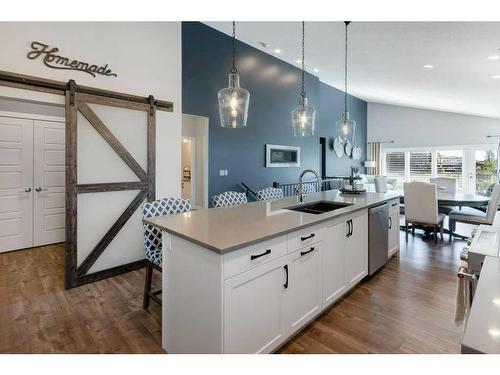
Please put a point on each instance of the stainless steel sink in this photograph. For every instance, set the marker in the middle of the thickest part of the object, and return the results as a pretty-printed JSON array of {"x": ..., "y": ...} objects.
[{"x": 318, "y": 207}]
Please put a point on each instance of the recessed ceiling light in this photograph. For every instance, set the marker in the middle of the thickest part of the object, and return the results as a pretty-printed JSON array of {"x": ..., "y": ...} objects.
[
  {"x": 496, "y": 301},
  {"x": 298, "y": 61},
  {"x": 277, "y": 50},
  {"x": 316, "y": 70},
  {"x": 429, "y": 66},
  {"x": 496, "y": 76},
  {"x": 494, "y": 57},
  {"x": 494, "y": 332}
]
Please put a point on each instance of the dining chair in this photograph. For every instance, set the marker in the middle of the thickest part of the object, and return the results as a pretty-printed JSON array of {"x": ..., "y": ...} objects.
[
  {"x": 470, "y": 215},
  {"x": 307, "y": 188},
  {"x": 152, "y": 239},
  {"x": 421, "y": 207},
  {"x": 380, "y": 184},
  {"x": 269, "y": 193},
  {"x": 229, "y": 198},
  {"x": 447, "y": 185}
]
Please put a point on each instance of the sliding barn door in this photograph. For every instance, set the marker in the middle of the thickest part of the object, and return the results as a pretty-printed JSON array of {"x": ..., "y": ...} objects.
[
  {"x": 110, "y": 174},
  {"x": 49, "y": 183},
  {"x": 16, "y": 183}
]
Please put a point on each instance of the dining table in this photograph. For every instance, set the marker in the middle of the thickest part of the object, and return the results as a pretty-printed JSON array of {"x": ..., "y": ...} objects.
[{"x": 454, "y": 199}]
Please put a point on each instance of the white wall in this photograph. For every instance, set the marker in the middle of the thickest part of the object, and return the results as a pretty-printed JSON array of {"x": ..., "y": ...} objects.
[
  {"x": 147, "y": 59},
  {"x": 419, "y": 127}
]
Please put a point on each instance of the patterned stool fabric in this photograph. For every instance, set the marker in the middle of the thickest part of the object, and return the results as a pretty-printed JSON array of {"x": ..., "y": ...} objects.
[
  {"x": 152, "y": 235},
  {"x": 306, "y": 189},
  {"x": 229, "y": 198},
  {"x": 269, "y": 193}
]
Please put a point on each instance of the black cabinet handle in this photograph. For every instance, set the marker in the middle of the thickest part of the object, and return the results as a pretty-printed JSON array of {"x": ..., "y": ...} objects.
[
  {"x": 302, "y": 253},
  {"x": 348, "y": 222},
  {"x": 252, "y": 257},
  {"x": 352, "y": 228},
  {"x": 307, "y": 237},
  {"x": 285, "y": 285},
  {"x": 394, "y": 204},
  {"x": 390, "y": 222}
]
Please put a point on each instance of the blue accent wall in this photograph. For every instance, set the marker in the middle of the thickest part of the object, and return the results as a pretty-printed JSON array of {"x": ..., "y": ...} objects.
[{"x": 274, "y": 87}]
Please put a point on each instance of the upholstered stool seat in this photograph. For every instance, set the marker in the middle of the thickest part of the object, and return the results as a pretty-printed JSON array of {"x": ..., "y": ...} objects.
[
  {"x": 152, "y": 238},
  {"x": 229, "y": 198},
  {"x": 269, "y": 193}
]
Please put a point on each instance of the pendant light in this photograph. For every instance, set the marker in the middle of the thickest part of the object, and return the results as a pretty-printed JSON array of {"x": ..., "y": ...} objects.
[
  {"x": 303, "y": 116},
  {"x": 233, "y": 100},
  {"x": 345, "y": 126}
]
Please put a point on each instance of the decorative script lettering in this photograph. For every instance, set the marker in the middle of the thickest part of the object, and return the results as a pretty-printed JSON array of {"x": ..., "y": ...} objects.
[{"x": 54, "y": 61}]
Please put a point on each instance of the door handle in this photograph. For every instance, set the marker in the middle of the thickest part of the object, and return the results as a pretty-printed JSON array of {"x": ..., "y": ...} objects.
[
  {"x": 27, "y": 190},
  {"x": 302, "y": 253},
  {"x": 307, "y": 237},
  {"x": 252, "y": 257},
  {"x": 352, "y": 228},
  {"x": 348, "y": 222},
  {"x": 41, "y": 189},
  {"x": 285, "y": 285}
]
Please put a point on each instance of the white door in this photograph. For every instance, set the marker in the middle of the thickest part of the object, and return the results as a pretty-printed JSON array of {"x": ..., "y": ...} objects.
[
  {"x": 393, "y": 231},
  {"x": 334, "y": 284},
  {"x": 356, "y": 251},
  {"x": 16, "y": 183},
  {"x": 49, "y": 182},
  {"x": 303, "y": 295},
  {"x": 253, "y": 309}
]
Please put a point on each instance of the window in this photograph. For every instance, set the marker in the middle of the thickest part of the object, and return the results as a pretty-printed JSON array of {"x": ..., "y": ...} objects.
[
  {"x": 449, "y": 164},
  {"x": 395, "y": 166},
  {"x": 420, "y": 166},
  {"x": 486, "y": 170}
]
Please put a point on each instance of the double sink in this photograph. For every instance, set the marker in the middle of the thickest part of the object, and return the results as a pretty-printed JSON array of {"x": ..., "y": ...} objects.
[{"x": 319, "y": 207}]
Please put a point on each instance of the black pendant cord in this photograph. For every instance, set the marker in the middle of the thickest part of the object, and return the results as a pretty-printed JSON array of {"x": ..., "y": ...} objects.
[
  {"x": 345, "y": 67},
  {"x": 233, "y": 69},
  {"x": 303, "y": 92}
]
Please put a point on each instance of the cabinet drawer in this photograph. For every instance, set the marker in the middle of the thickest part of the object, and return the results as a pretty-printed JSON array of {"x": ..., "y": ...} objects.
[
  {"x": 242, "y": 260},
  {"x": 304, "y": 237},
  {"x": 393, "y": 206}
]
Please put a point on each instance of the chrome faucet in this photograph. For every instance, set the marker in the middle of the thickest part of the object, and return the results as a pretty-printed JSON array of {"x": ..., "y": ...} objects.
[{"x": 300, "y": 194}]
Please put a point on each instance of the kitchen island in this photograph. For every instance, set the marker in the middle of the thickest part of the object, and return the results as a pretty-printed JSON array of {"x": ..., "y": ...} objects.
[{"x": 244, "y": 279}]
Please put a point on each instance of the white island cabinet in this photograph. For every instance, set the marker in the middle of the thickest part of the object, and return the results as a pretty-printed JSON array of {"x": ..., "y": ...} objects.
[
  {"x": 252, "y": 299},
  {"x": 244, "y": 279}
]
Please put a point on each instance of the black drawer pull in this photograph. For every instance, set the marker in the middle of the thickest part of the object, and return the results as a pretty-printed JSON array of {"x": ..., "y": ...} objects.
[
  {"x": 307, "y": 237},
  {"x": 302, "y": 253},
  {"x": 390, "y": 222},
  {"x": 394, "y": 204},
  {"x": 285, "y": 285},
  {"x": 252, "y": 257}
]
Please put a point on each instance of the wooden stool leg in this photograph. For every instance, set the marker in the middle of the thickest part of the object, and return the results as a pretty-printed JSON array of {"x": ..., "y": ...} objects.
[
  {"x": 441, "y": 230},
  {"x": 435, "y": 234},
  {"x": 147, "y": 286}
]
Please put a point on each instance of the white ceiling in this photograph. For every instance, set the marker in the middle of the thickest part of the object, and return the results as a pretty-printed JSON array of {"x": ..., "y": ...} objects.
[{"x": 386, "y": 60}]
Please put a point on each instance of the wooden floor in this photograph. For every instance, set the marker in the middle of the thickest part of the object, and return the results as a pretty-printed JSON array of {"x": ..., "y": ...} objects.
[
  {"x": 38, "y": 316},
  {"x": 407, "y": 307}
]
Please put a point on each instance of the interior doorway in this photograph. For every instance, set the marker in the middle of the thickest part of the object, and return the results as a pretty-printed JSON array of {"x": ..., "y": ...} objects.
[
  {"x": 194, "y": 160},
  {"x": 32, "y": 174}
]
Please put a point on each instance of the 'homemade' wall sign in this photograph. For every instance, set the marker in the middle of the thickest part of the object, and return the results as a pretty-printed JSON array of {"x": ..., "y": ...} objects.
[{"x": 51, "y": 60}]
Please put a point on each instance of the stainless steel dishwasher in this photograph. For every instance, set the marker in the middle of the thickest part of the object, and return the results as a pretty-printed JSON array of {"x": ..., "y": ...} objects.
[{"x": 378, "y": 237}]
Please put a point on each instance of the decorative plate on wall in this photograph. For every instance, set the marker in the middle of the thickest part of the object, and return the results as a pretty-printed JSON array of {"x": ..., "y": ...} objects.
[
  {"x": 338, "y": 147},
  {"x": 348, "y": 148},
  {"x": 356, "y": 152}
]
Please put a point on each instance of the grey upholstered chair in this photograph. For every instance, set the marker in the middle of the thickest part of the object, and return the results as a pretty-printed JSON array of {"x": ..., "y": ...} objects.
[
  {"x": 380, "y": 184},
  {"x": 152, "y": 239},
  {"x": 447, "y": 185},
  {"x": 421, "y": 207},
  {"x": 470, "y": 215},
  {"x": 229, "y": 198},
  {"x": 269, "y": 193}
]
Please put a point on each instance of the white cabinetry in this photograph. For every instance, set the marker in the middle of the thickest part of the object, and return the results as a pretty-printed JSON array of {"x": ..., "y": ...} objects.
[
  {"x": 393, "y": 227},
  {"x": 334, "y": 281},
  {"x": 356, "y": 250}
]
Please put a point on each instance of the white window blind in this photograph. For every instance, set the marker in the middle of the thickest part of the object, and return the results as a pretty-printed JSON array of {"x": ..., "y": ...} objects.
[
  {"x": 395, "y": 166},
  {"x": 420, "y": 165},
  {"x": 450, "y": 164}
]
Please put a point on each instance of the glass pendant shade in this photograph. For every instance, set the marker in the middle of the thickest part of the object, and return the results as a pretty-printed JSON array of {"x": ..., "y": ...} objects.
[
  {"x": 346, "y": 127},
  {"x": 303, "y": 118},
  {"x": 233, "y": 104}
]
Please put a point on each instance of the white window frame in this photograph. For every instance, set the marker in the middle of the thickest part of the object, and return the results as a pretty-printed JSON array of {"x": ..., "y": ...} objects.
[{"x": 468, "y": 161}]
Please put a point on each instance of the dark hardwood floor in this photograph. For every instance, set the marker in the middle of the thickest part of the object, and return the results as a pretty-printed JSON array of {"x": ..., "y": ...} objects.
[
  {"x": 38, "y": 316},
  {"x": 407, "y": 307}
]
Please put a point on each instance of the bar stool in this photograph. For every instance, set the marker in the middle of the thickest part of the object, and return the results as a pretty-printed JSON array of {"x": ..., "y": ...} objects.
[{"x": 152, "y": 239}]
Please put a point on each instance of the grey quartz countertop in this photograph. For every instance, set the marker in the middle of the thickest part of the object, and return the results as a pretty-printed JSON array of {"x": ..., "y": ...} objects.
[
  {"x": 482, "y": 334},
  {"x": 229, "y": 228}
]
